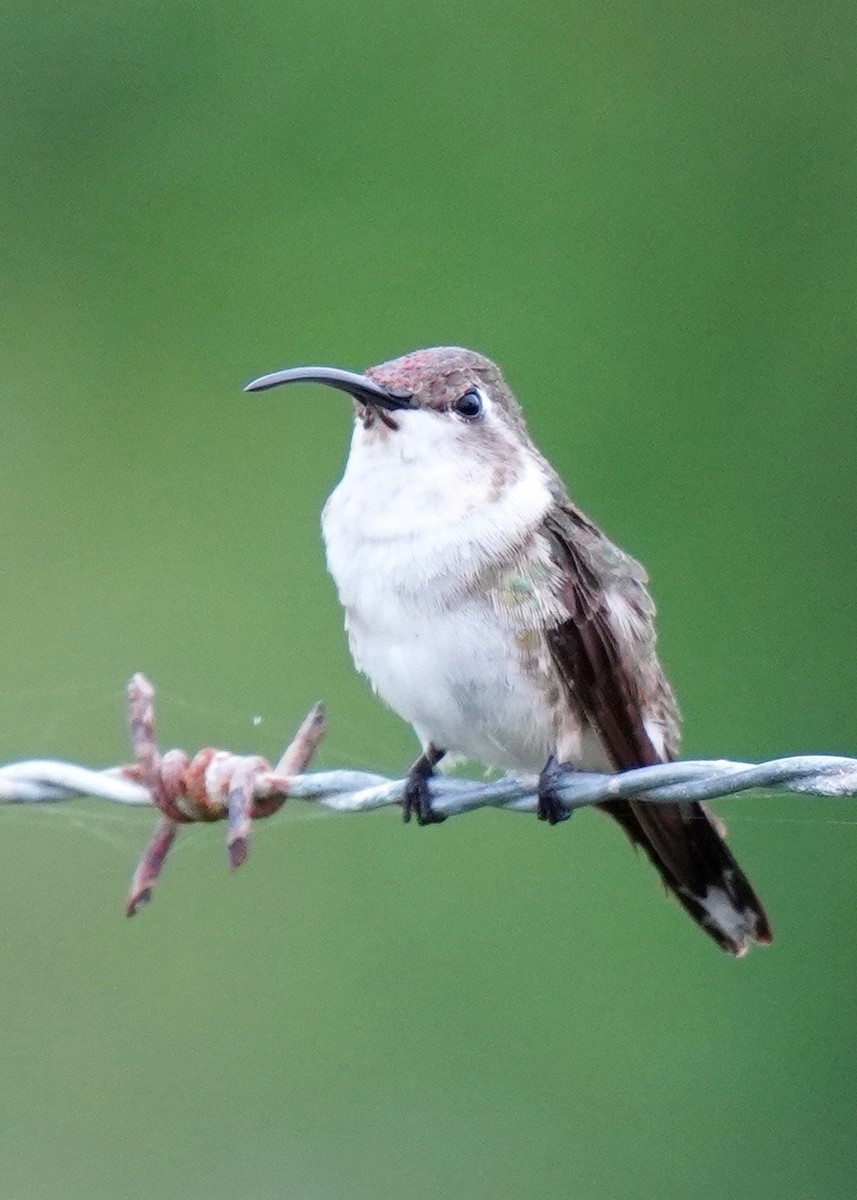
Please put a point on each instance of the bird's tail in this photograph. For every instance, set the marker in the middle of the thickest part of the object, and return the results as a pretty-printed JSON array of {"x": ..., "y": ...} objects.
[{"x": 696, "y": 865}]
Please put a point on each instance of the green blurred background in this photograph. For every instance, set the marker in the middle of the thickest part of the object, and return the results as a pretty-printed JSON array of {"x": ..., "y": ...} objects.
[{"x": 646, "y": 213}]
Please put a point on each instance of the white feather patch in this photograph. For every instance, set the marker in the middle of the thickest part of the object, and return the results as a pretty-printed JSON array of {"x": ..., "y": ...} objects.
[{"x": 736, "y": 923}]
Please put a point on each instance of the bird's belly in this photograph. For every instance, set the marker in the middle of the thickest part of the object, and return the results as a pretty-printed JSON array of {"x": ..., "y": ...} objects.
[{"x": 463, "y": 683}]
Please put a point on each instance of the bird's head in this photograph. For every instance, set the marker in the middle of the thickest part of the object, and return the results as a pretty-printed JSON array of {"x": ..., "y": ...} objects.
[{"x": 444, "y": 403}]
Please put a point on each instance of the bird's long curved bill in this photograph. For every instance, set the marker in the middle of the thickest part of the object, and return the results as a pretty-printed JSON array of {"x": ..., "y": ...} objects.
[{"x": 361, "y": 387}]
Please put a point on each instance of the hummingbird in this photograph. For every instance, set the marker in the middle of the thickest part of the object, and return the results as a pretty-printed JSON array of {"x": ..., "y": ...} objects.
[{"x": 490, "y": 613}]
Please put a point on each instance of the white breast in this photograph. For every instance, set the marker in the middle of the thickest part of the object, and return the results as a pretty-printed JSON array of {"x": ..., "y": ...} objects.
[
  {"x": 407, "y": 512},
  {"x": 405, "y": 538}
]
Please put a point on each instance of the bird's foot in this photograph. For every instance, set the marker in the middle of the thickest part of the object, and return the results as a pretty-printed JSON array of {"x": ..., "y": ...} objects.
[
  {"x": 417, "y": 798},
  {"x": 550, "y": 808}
]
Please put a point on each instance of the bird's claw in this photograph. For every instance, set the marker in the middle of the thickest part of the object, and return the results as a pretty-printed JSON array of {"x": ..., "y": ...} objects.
[
  {"x": 417, "y": 801},
  {"x": 550, "y": 808}
]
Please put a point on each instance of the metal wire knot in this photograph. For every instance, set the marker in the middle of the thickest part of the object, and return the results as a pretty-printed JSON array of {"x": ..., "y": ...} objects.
[{"x": 214, "y": 785}]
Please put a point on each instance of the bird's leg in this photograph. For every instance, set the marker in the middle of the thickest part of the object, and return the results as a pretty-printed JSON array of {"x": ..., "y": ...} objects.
[
  {"x": 417, "y": 799},
  {"x": 550, "y": 807}
]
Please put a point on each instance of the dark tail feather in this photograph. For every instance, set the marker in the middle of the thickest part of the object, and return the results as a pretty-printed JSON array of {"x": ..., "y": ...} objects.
[{"x": 696, "y": 865}]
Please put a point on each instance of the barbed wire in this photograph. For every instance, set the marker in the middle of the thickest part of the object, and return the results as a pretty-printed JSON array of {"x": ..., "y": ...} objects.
[{"x": 216, "y": 785}]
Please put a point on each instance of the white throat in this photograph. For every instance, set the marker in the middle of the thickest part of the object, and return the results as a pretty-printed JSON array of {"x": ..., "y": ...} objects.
[{"x": 413, "y": 512}]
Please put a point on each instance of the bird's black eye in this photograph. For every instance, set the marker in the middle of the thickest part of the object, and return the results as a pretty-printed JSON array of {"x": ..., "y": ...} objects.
[{"x": 468, "y": 406}]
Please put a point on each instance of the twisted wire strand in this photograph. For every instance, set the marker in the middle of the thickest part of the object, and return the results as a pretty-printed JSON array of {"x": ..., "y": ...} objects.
[
  {"x": 217, "y": 785},
  {"x": 46, "y": 781}
]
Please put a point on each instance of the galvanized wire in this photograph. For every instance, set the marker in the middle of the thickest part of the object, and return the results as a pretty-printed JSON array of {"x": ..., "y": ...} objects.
[
  {"x": 217, "y": 785},
  {"x": 44, "y": 781}
]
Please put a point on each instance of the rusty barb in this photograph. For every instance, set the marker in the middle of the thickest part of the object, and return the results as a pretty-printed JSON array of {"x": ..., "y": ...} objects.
[{"x": 214, "y": 785}]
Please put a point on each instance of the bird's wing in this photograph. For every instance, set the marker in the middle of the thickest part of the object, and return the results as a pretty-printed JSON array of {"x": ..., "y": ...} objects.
[
  {"x": 605, "y": 654},
  {"x": 605, "y": 649}
]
